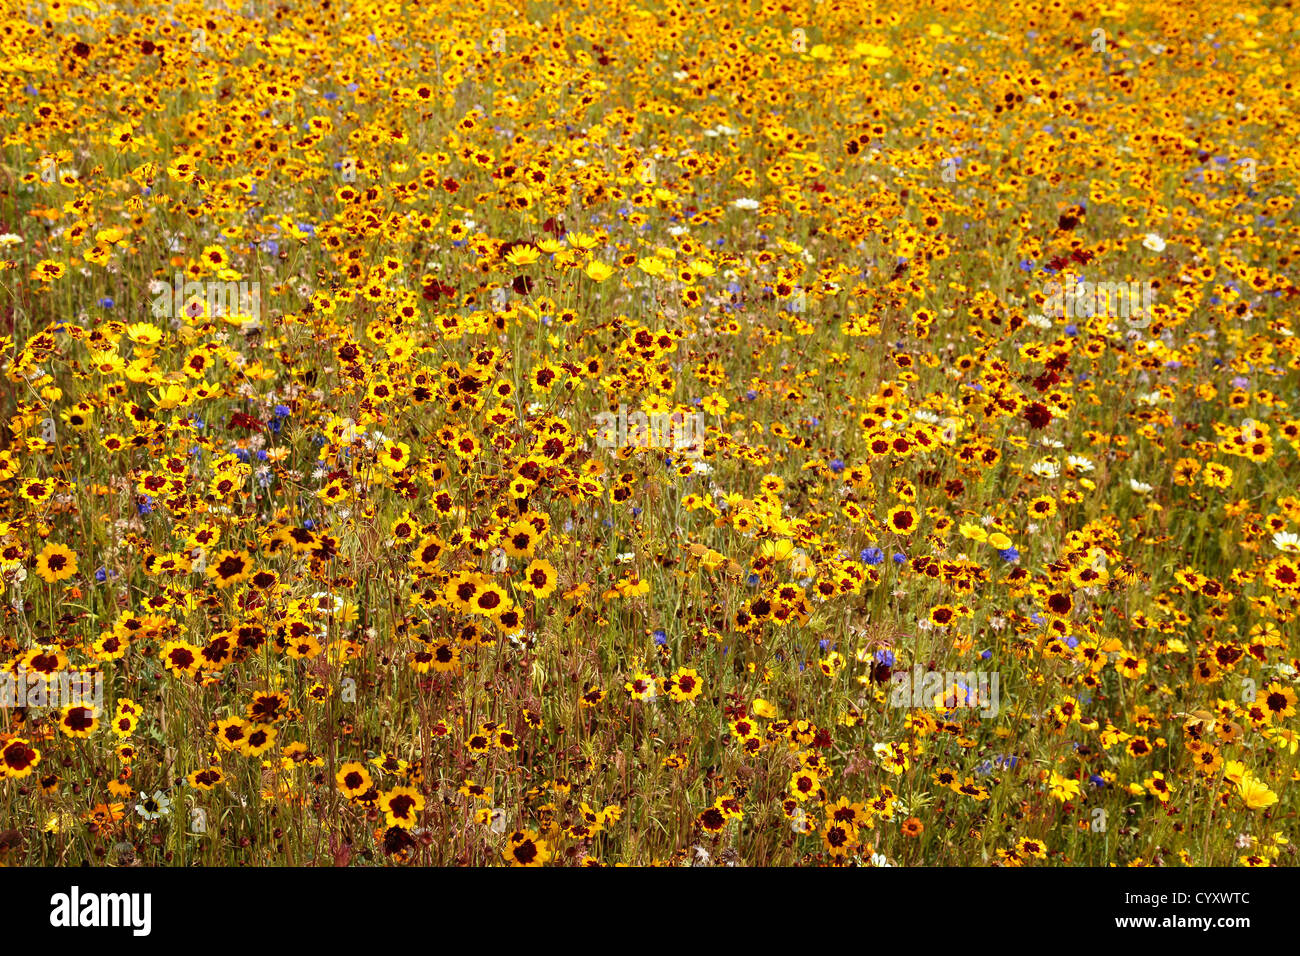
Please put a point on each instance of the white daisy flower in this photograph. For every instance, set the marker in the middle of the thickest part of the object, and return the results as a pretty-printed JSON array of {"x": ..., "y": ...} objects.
[
  {"x": 151, "y": 808},
  {"x": 1287, "y": 541}
]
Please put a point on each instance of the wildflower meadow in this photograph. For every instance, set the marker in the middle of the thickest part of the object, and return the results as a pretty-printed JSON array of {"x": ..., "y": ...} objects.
[{"x": 649, "y": 432}]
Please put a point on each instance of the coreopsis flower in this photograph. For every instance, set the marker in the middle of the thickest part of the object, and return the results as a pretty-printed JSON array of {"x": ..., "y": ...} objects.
[
  {"x": 401, "y": 806},
  {"x": 642, "y": 686},
  {"x": 540, "y": 578},
  {"x": 353, "y": 779},
  {"x": 18, "y": 758},
  {"x": 684, "y": 685},
  {"x": 55, "y": 563},
  {"x": 525, "y": 848},
  {"x": 78, "y": 720}
]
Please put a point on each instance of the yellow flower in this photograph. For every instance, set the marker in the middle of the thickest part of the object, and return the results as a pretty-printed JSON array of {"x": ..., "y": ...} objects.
[
  {"x": 395, "y": 455},
  {"x": 1063, "y": 788},
  {"x": 685, "y": 685},
  {"x": 401, "y": 806},
  {"x": 776, "y": 550},
  {"x": 58, "y": 822},
  {"x": 642, "y": 686},
  {"x": 56, "y": 563},
  {"x": 1255, "y": 793},
  {"x": 873, "y": 50},
  {"x": 170, "y": 396},
  {"x": 714, "y": 404},
  {"x": 597, "y": 271},
  {"x": 144, "y": 333},
  {"x": 523, "y": 255},
  {"x": 526, "y": 849}
]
